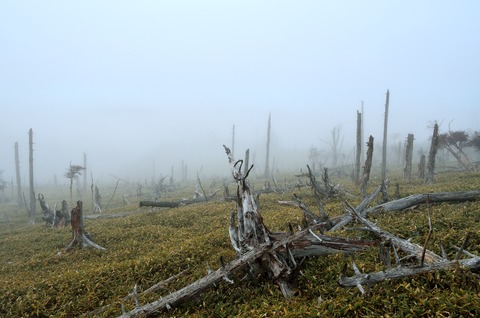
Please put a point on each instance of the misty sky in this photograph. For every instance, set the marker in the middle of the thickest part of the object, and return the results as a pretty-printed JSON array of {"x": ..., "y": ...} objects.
[{"x": 143, "y": 84}]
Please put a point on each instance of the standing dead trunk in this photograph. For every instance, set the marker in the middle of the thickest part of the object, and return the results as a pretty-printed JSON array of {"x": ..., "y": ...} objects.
[
  {"x": 407, "y": 170},
  {"x": 421, "y": 167},
  {"x": 266, "y": 173},
  {"x": 78, "y": 233},
  {"x": 358, "y": 148},
  {"x": 32, "y": 190},
  {"x": 385, "y": 128},
  {"x": 367, "y": 167},
  {"x": 19, "y": 179},
  {"x": 247, "y": 161},
  {"x": 431, "y": 157}
]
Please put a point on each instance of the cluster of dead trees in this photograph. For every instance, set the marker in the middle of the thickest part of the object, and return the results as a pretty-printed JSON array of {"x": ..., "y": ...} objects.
[{"x": 278, "y": 256}]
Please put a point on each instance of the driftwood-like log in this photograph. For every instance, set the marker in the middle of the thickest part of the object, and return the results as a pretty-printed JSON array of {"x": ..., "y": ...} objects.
[
  {"x": 400, "y": 272},
  {"x": 263, "y": 252},
  {"x": 406, "y": 246},
  {"x": 173, "y": 204},
  {"x": 260, "y": 252},
  {"x": 78, "y": 233},
  {"x": 416, "y": 199}
]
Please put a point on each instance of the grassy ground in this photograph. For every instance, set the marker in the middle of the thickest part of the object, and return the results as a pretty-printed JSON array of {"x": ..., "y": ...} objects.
[{"x": 39, "y": 279}]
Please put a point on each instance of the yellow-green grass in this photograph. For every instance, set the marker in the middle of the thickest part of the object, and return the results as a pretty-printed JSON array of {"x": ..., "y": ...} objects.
[{"x": 38, "y": 278}]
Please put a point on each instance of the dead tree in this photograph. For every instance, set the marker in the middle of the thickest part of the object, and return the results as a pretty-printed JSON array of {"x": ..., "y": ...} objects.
[
  {"x": 247, "y": 160},
  {"x": 455, "y": 143},
  {"x": 407, "y": 170},
  {"x": 48, "y": 215},
  {"x": 72, "y": 173},
  {"x": 367, "y": 167},
  {"x": 385, "y": 128},
  {"x": 433, "y": 261},
  {"x": 358, "y": 148},
  {"x": 416, "y": 199},
  {"x": 32, "y": 190},
  {"x": 276, "y": 256},
  {"x": 429, "y": 176},
  {"x": 421, "y": 167},
  {"x": 79, "y": 236}
]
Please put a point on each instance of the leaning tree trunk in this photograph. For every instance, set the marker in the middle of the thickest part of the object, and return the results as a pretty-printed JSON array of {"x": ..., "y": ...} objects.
[
  {"x": 32, "y": 191},
  {"x": 78, "y": 233},
  {"x": 431, "y": 156}
]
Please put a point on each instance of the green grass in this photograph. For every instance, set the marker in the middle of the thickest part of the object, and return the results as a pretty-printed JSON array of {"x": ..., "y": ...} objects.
[{"x": 39, "y": 279}]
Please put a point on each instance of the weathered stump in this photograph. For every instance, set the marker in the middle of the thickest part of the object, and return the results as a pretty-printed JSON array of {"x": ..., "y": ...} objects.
[{"x": 78, "y": 233}]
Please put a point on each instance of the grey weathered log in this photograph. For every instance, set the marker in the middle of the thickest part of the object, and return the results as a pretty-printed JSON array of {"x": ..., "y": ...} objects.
[
  {"x": 400, "y": 272},
  {"x": 173, "y": 204},
  {"x": 406, "y": 246},
  {"x": 416, "y": 199},
  {"x": 191, "y": 291}
]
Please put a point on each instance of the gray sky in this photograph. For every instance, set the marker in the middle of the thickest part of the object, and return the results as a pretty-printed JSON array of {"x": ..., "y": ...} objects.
[{"x": 136, "y": 82}]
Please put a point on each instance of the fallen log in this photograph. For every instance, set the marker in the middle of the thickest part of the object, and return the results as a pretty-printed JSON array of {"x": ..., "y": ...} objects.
[
  {"x": 400, "y": 272},
  {"x": 301, "y": 239},
  {"x": 173, "y": 204},
  {"x": 416, "y": 199},
  {"x": 408, "y": 247},
  {"x": 275, "y": 255}
]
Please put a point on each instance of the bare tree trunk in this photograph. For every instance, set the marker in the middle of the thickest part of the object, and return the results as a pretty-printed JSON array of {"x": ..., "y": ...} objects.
[
  {"x": 385, "y": 128},
  {"x": 407, "y": 171},
  {"x": 32, "y": 190},
  {"x": 367, "y": 167},
  {"x": 19, "y": 179},
  {"x": 266, "y": 174},
  {"x": 358, "y": 148},
  {"x": 431, "y": 156},
  {"x": 421, "y": 167},
  {"x": 247, "y": 161}
]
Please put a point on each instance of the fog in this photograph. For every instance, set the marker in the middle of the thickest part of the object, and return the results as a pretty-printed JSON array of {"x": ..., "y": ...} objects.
[{"x": 140, "y": 86}]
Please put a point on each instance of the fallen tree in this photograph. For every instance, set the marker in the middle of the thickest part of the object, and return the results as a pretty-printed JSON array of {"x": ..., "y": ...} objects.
[
  {"x": 416, "y": 199},
  {"x": 264, "y": 253}
]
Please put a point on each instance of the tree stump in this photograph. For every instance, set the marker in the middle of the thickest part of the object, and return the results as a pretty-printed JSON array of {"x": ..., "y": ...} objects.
[{"x": 78, "y": 233}]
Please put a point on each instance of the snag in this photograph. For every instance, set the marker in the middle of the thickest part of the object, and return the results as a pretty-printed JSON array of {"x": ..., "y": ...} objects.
[{"x": 78, "y": 233}]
